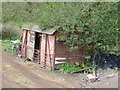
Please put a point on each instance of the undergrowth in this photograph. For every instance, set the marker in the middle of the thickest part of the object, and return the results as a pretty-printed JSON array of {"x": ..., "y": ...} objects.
[
  {"x": 67, "y": 68},
  {"x": 74, "y": 67},
  {"x": 7, "y": 44}
]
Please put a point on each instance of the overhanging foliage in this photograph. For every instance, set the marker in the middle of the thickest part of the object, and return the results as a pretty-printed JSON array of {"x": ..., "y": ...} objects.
[{"x": 83, "y": 23}]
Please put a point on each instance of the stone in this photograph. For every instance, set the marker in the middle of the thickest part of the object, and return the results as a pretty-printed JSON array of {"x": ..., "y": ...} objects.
[
  {"x": 110, "y": 76},
  {"x": 91, "y": 78}
]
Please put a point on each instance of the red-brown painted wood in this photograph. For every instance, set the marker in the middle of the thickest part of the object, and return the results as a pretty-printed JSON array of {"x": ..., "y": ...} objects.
[
  {"x": 23, "y": 46},
  {"x": 43, "y": 49},
  {"x": 30, "y": 44}
]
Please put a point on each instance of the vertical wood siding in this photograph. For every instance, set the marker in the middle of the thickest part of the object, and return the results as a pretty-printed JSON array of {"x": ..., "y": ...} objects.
[
  {"x": 63, "y": 55},
  {"x": 30, "y": 44},
  {"x": 43, "y": 50},
  {"x": 51, "y": 53},
  {"x": 23, "y": 46},
  {"x": 47, "y": 51}
]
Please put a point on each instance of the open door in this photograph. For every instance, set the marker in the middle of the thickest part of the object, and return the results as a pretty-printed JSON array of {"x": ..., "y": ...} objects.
[
  {"x": 30, "y": 44},
  {"x": 37, "y": 46},
  {"x": 24, "y": 43}
]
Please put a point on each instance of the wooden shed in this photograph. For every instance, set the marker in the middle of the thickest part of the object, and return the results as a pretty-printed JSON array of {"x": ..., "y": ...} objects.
[{"x": 45, "y": 47}]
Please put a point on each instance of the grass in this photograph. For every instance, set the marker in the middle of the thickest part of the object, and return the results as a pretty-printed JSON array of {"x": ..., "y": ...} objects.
[
  {"x": 72, "y": 67},
  {"x": 114, "y": 49},
  {"x": 116, "y": 53},
  {"x": 68, "y": 68},
  {"x": 7, "y": 46}
]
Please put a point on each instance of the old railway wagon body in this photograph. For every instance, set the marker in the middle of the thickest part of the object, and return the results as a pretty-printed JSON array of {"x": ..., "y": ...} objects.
[{"x": 45, "y": 48}]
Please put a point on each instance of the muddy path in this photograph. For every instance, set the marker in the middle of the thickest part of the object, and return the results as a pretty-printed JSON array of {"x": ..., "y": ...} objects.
[{"x": 15, "y": 75}]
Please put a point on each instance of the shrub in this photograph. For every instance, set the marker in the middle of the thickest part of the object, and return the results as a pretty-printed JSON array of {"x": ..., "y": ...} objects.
[
  {"x": 74, "y": 67},
  {"x": 9, "y": 31},
  {"x": 68, "y": 68}
]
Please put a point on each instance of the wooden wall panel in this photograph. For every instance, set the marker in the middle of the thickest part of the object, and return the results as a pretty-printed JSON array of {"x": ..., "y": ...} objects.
[
  {"x": 30, "y": 44},
  {"x": 47, "y": 51},
  {"x": 63, "y": 55},
  {"x": 23, "y": 46},
  {"x": 50, "y": 52},
  {"x": 43, "y": 50}
]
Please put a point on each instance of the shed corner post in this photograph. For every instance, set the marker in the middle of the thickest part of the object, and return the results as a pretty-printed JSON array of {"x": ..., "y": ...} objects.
[
  {"x": 22, "y": 52},
  {"x": 82, "y": 54},
  {"x": 80, "y": 58},
  {"x": 54, "y": 53},
  {"x": 67, "y": 52}
]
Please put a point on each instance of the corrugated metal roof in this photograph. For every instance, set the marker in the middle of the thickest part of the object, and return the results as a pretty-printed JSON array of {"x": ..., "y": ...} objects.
[{"x": 36, "y": 28}]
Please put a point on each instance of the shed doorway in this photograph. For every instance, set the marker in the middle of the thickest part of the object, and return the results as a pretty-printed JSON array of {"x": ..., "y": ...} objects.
[
  {"x": 37, "y": 46},
  {"x": 37, "y": 40}
]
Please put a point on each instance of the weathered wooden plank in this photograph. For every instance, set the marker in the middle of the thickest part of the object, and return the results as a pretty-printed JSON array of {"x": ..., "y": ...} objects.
[
  {"x": 43, "y": 49},
  {"x": 66, "y": 60},
  {"x": 50, "y": 52},
  {"x": 66, "y": 56},
  {"x": 23, "y": 46},
  {"x": 30, "y": 44}
]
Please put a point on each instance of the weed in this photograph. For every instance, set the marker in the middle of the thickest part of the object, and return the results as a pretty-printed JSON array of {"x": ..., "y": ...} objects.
[
  {"x": 68, "y": 67},
  {"x": 116, "y": 53},
  {"x": 88, "y": 67},
  {"x": 8, "y": 46}
]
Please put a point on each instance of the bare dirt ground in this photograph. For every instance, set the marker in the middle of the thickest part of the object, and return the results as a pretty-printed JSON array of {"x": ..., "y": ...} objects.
[
  {"x": 106, "y": 79},
  {"x": 19, "y": 74}
]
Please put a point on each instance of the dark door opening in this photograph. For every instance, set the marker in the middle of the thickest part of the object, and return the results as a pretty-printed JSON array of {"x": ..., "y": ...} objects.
[
  {"x": 37, "y": 40},
  {"x": 37, "y": 46}
]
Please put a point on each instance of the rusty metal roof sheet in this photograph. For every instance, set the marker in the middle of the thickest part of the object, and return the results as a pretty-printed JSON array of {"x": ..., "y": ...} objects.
[{"x": 36, "y": 28}]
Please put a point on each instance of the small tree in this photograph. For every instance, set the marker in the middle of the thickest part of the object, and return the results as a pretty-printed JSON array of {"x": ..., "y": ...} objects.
[{"x": 83, "y": 23}]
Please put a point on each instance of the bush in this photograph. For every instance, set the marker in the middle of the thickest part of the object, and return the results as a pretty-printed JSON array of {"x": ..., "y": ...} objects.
[
  {"x": 9, "y": 31},
  {"x": 74, "y": 67},
  {"x": 7, "y": 45},
  {"x": 68, "y": 68}
]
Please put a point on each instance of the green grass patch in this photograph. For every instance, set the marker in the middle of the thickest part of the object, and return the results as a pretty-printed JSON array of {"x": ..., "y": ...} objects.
[
  {"x": 7, "y": 46},
  {"x": 68, "y": 68},
  {"x": 116, "y": 53},
  {"x": 74, "y": 67}
]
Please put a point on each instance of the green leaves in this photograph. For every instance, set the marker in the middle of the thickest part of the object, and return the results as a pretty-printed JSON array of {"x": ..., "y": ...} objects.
[
  {"x": 82, "y": 23},
  {"x": 68, "y": 67}
]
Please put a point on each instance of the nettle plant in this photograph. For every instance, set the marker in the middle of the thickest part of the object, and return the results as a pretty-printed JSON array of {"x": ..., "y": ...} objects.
[{"x": 80, "y": 23}]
